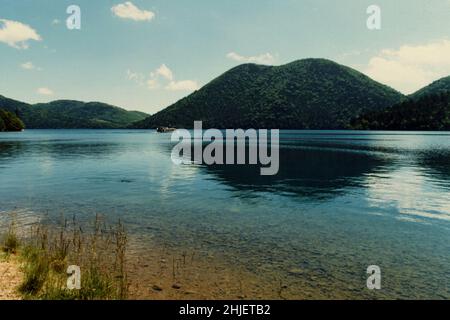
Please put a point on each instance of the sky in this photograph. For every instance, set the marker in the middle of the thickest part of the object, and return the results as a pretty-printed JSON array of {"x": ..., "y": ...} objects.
[{"x": 147, "y": 54}]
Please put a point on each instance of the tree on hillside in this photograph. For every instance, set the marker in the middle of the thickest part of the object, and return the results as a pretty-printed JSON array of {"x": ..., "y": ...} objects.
[{"x": 10, "y": 122}]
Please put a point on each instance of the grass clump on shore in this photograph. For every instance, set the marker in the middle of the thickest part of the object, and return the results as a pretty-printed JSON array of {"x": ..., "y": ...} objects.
[
  {"x": 10, "y": 241},
  {"x": 46, "y": 254}
]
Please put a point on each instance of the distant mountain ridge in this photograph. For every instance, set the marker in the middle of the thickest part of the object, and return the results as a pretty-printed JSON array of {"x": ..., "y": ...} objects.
[
  {"x": 426, "y": 113},
  {"x": 439, "y": 86},
  {"x": 70, "y": 114},
  {"x": 428, "y": 109},
  {"x": 304, "y": 94}
]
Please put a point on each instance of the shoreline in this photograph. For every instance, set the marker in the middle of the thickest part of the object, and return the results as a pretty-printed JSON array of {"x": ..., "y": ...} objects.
[
  {"x": 161, "y": 272},
  {"x": 156, "y": 272},
  {"x": 152, "y": 273}
]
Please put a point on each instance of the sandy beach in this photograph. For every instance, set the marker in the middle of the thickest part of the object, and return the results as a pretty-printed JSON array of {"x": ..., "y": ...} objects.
[{"x": 10, "y": 278}]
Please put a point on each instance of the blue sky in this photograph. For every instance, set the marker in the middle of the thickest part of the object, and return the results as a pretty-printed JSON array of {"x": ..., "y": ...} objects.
[{"x": 146, "y": 54}]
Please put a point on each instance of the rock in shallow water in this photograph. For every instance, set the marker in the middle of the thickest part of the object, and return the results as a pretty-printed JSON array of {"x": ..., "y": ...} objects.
[
  {"x": 176, "y": 286},
  {"x": 156, "y": 288}
]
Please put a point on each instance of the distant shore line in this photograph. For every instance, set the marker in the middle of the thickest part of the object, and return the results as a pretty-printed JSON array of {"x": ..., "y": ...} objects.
[{"x": 206, "y": 128}]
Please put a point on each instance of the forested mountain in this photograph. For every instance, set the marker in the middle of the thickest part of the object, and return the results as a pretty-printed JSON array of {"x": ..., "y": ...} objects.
[
  {"x": 430, "y": 112},
  {"x": 439, "y": 86},
  {"x": 65, "y": 114},
  {"x": 305, "y": 94}
]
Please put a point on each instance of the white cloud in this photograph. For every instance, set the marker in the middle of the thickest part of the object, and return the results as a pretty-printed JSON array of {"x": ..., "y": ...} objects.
[
  {"x": 162, "y": 78},
  {"x": 16, "y": 34},
  {"x": 44, "y": 91},
  {"x": 184, "y": 85},
  {"x": 128, "y": 10},
  {"x": 29, "y": 66},
  {"x": 411, "y": 67},
  {"x": 265, "y": 58},
  {"x": 165, "y": 72},
  {"x": 139, "y": 78}
]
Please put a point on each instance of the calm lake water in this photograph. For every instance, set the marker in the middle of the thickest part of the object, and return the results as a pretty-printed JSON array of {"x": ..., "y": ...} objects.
[{"x": 341, "y": 201}]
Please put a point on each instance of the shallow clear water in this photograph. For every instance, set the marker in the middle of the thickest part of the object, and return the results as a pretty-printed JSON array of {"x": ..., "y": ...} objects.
[{"x": 341, "y": 201}]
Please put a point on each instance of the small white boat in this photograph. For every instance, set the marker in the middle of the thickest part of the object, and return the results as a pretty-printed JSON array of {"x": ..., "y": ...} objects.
[{"x": 165, "y": 129}]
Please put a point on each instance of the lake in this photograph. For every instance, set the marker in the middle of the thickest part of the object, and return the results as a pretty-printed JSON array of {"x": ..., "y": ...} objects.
[{"x": 342, "y": 201}]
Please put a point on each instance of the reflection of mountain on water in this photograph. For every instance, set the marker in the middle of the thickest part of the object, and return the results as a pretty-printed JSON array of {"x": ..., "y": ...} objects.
[
  {"x": 58, "y": 150},
  {"x": 309, "y": 168},
  {"x": 437, "y": 162},
  {"x": 322, "y": 165},
  {"x": 317, "y": 173},
  {"x": 10, "y": 149}
]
